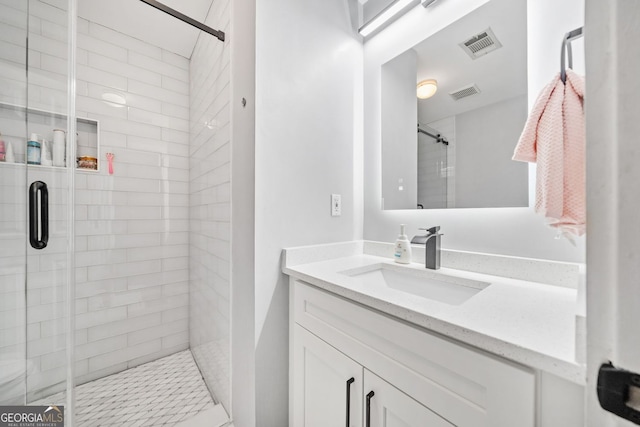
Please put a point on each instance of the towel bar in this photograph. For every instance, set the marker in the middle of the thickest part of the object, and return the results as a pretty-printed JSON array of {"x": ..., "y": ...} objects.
[{"x": 566, "y": 50}]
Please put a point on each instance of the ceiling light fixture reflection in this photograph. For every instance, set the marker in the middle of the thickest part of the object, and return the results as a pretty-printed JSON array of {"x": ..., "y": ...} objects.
[
  {"x": 427, "y": 88},
  {"x": 387, "y": 14},
  {"x": 114, "y": 99}
]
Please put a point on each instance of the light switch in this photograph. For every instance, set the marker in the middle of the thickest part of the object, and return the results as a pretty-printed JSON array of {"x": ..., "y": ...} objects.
[{"x": 336, "y": 205}]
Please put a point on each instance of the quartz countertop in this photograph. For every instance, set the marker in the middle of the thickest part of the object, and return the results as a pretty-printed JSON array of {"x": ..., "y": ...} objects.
[{"x": 527, "y": 322}]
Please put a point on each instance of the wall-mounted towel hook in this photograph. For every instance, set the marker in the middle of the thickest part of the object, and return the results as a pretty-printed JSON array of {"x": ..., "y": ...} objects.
[{"x": 566, "y": 52}]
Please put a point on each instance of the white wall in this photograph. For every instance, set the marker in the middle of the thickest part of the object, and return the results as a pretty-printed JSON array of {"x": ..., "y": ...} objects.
[
  {"x": 399, "y": 120},
  {"x": 485, "y": 173},
  {"x": 210, "y": 207},
  {"x": 513, "y": 231},
  {"x": 613, "y": 63},
  {"x": 242, "y": 39},
  {"x": 308, "y": 133}
]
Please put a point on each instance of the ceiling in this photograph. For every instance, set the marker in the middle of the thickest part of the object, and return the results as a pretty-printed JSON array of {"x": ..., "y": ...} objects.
[
  {"x": 139, "y": 20},
  {"x": 500, "y": 75},
  {"x": 371, "y": 8}
]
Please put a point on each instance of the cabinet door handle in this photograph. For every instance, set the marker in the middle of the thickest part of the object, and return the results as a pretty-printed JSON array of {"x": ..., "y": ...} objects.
[
  {"x": 369, "y": 396},
  {"x": 38, "y": 242},
  {"x": 349, "y": 382}
]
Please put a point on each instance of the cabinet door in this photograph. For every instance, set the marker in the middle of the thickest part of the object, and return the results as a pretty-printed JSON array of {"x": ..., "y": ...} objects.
[
  {"x": 327, "y": 385},
  {"x": 386, "y": 406}
]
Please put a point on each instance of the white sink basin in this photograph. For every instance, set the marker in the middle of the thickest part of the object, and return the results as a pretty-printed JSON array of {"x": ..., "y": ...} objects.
[{"x": 423, "y": 283}]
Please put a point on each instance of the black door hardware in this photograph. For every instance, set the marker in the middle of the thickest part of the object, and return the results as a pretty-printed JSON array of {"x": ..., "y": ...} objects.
[
  {"x": 615, "y": 388},
  {"x": 38, "y": 235},
  {"x": 369, "y": 396},
  {"x": 349, "y": 382}
]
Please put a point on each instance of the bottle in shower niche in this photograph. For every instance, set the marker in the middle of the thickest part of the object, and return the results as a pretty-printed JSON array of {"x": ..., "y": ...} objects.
[
  {"x": 9, "y": 157},
  {"x": 3, "y": 150},
  {"x": 45, "y": 153},
  {"x": 59, "y": 147},
  {"x": 33, "y": 150}
]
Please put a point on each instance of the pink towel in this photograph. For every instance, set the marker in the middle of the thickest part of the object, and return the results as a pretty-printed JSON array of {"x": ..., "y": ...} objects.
[{"x": 554, "y": 138}]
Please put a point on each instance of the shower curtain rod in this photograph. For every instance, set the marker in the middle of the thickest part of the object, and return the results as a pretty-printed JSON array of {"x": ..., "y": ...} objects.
[{"x": 185, "y": 18}]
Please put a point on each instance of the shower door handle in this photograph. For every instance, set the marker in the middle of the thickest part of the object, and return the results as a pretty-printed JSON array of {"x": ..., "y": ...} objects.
[{"x": 38, "y": 235}]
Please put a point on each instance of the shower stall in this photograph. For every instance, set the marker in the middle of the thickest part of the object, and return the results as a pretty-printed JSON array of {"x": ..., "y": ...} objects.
[
  {"x": 114, "y": 208},
  {"x": 436, "y": 157}
]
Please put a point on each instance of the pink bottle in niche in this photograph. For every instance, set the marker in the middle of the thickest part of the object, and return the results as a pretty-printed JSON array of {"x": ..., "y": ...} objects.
[{"x": 3, "y": 151}]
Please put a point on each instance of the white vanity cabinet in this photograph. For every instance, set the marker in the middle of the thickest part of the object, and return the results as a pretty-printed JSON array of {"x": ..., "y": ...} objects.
[
  {"x": 327, "y": 385},
  {"x": 417, "y": 378},
  {"x": 386, "y": 406},
  {"x": 330, "y": 389}
]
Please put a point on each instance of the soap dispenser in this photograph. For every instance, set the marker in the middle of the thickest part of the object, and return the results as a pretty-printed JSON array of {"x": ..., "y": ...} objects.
[{"x": 403, "y": 248}]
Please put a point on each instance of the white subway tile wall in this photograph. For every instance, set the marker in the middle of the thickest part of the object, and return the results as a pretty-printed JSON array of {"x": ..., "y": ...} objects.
[
  {"x": 132, "y": 228},
  {"x": 136, "y": 224},
  {"x": 210, "y": 206}
]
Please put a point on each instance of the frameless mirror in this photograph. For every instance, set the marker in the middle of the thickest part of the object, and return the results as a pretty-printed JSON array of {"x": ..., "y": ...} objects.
[{"x": 453, "y": 149}]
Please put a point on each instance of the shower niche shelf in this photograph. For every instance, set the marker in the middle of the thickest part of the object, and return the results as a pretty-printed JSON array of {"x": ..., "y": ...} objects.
[{"x": 19, "y": 122}]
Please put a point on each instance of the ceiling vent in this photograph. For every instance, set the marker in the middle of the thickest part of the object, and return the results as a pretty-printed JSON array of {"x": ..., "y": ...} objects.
[
  {"x": 464, "y": 92},
  {"x": 481, "y": 44}
]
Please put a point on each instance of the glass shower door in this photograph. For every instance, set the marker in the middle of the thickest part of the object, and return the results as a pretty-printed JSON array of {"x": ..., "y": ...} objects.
[
  {"x": 50, "y": 168},
  {"x": 13, "y": 231},
  {"x": 35, "y": 195}
]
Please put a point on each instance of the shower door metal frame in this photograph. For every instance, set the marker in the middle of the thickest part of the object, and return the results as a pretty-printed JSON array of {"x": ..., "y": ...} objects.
[{"x": 72, "y": 28}]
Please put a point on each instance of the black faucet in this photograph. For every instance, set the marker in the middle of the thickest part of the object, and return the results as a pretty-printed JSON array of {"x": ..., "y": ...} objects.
[{"x": 431, "y": 241}]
